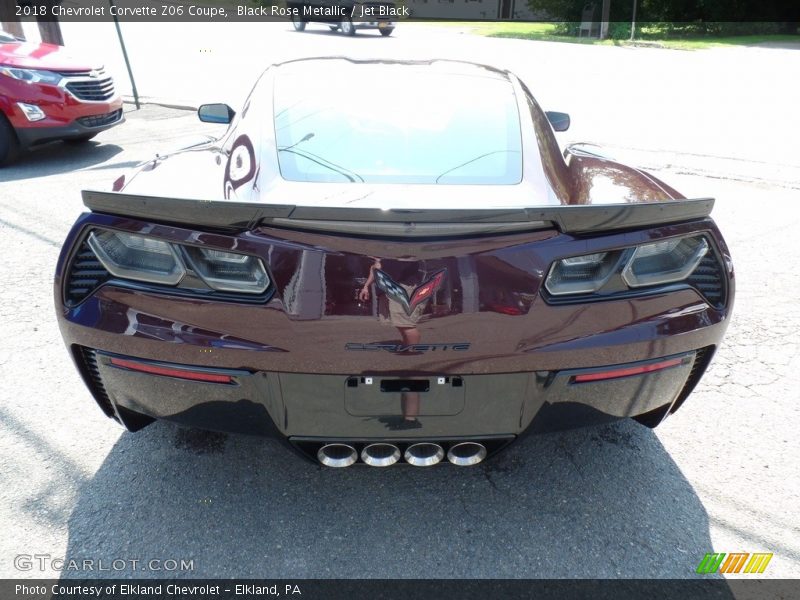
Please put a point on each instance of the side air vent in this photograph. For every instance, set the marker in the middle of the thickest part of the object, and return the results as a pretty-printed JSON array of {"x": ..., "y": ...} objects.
[
  {"x": 85, "y": 275},
  {"x": 702, "y": 358},
  {"x": 87, "y": 359},
  {"x": 708, "y": 280}
]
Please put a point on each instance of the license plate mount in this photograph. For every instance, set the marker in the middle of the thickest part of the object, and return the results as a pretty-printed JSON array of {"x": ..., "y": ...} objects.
[{"x": 378, "y": 395}]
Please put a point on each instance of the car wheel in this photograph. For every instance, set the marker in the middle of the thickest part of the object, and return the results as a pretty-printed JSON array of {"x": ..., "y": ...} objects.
[
  {"x": 9, "y": 145},
  {"x": 299, "y": 24},
  {"x": 81, "y": 139},
  {"x": 347, "y": 27},
  {"x": 386, "y": 31}
]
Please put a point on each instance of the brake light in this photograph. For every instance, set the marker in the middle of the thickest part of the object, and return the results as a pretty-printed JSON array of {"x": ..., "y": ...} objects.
[
  {"x": 628, "y": 371},
  {"x": 171, "y": 372}
]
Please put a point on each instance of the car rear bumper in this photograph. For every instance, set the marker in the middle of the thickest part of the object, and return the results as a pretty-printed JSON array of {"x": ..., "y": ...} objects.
[
  {"x": 367, "y": 408},
  {"x": 493, "y": 356}
]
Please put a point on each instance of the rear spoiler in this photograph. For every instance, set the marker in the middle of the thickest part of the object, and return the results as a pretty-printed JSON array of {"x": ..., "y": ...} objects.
[{"x": 242, "y": 216}]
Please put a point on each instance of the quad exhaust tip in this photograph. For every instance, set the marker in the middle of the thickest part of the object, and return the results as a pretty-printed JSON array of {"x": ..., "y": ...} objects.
[
  {"x": 337, "y": 455},
  {"x": 385, "y": 454},
  {"x": 466, "y": 454},
  {"x": 424, "y": 454},
  {"x": 380, "y": 454}
]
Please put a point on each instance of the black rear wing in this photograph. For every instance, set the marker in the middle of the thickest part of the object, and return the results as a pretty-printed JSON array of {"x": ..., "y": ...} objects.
[{"x": 242, "y": 216}]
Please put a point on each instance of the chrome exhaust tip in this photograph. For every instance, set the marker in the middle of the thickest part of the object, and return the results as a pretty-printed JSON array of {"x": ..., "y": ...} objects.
[
  {"x": 424, "y": 454},
  {"x": 337, "y": 455},
  {"x": 466, "y": 454},
  {"x": 380, "y": 454}
]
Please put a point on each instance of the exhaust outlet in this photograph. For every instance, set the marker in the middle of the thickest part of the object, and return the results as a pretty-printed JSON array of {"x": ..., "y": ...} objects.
[
  {"x": 337, "y": 455},
  {"x": 424, "y": 454},
  {"x": 380, "y": 454},
  {"x": 466, "y": 454}
]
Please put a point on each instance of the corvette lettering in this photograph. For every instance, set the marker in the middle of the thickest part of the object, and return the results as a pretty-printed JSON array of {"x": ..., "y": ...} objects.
[{"x": 456, "y": 347}]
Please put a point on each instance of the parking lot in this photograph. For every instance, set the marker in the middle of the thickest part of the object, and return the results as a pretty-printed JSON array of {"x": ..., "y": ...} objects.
[{"x": 616, "y": 501}]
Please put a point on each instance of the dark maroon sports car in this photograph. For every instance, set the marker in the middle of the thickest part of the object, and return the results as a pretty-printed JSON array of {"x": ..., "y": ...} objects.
[{"x": 405, "y": 272}]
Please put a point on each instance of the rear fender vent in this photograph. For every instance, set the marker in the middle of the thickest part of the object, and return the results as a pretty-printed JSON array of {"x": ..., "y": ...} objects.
[
  {"x": 708, "y": 280},
  {"x": 702, "y": 358},
  {"x": 85, "y": 275},
  {"x": 87, "y": 361}
]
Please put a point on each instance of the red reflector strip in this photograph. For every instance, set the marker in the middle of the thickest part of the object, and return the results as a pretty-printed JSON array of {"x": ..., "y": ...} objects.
[
  {"x": 181, "y": 373},
  {"x": 613, "y": 374}
]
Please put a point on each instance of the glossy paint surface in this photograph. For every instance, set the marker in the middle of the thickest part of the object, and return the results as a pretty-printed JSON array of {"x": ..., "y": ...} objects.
[
  {"x": 48, "y": 57},
  {"x": 355, "y": 326},
  {"x": 490, "y": 299},
  {"x": 243, "y": 164}
]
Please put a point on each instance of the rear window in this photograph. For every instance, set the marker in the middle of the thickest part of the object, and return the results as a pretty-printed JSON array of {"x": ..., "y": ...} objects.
[{"x": 397, "y": 124}]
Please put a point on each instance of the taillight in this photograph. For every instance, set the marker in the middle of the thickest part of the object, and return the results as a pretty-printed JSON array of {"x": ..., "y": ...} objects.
[
  {"x": 618, "y": 372},
  {"x": 144, "y": 258},
  {"x": 651, "y": 264},
  {"x": 181, "y": 373}
]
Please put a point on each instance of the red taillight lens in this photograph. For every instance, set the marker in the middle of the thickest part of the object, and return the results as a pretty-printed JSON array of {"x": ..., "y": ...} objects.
[
  {"x": 171, "y": 372},
  {"x": 628, "y": 371}
]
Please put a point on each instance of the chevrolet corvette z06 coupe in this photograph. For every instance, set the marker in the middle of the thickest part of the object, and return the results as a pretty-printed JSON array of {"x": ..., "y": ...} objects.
[
  {"x": 47, "y": 95},
  {"x": 404, "y": 273}
]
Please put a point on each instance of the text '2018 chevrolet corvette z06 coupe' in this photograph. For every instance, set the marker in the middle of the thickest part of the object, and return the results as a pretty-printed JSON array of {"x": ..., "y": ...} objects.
[{"x": 410, "y": 272}]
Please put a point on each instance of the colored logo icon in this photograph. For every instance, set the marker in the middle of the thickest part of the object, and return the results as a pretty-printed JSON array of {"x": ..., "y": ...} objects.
[{"x": 735, "y": 562}]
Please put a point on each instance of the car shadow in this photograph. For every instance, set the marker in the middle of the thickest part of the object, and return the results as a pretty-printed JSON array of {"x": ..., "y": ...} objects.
[
  {"x": 589, "y": 503},
  {"x": 58, "y": 157}
]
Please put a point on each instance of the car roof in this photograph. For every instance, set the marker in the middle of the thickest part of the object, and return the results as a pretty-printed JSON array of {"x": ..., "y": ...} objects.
[{"x": 444, "y": 66}]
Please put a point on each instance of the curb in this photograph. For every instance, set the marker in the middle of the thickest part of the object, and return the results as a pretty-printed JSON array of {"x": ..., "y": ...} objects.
[{"x": 164, "y": 103}]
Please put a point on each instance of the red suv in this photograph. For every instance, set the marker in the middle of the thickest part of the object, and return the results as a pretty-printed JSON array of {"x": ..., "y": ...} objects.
[{"x": 47, "y": 95}]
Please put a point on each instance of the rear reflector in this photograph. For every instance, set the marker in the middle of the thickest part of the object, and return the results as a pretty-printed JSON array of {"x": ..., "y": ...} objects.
[
  {"x": 170, "y": 372},
  {"x": 627, "y": 371}
]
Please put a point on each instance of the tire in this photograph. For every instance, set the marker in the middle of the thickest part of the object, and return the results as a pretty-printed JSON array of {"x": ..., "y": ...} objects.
[
  {"x": 347, "y": 27},
  {"x": 386, "y": 31},
  {"x": 80, "y": 140},
  {"x": 9, "y": 144},
  {"x": 299, "y": 24}
]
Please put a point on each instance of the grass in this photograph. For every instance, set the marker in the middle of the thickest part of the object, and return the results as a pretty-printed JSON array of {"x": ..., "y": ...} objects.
[
  {"x": 646, "y": 36},
  {"x": 702, "y": 43}
]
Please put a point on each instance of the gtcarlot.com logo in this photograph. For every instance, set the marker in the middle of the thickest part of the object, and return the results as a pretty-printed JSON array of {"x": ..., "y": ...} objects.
[
  {"x": 47, "y": 562},
  {"x": 735, "y": 562}
]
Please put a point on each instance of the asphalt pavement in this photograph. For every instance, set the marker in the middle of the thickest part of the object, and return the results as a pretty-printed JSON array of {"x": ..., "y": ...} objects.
[{"x": 614, "y": 501}]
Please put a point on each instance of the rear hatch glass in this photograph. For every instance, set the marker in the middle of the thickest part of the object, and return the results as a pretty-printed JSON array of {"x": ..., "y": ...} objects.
[{"x": 397, "y": 124}]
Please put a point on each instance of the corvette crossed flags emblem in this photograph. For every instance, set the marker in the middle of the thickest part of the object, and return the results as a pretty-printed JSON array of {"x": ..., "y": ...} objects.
[{"x": 396, "y": 292}]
